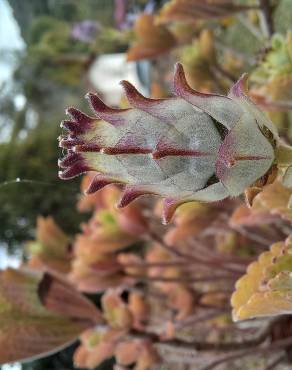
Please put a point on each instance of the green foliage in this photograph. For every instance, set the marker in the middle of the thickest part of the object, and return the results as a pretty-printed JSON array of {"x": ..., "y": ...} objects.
[
  {"x": 34, "y": 158},
  {"x": 282, "y": 17}
]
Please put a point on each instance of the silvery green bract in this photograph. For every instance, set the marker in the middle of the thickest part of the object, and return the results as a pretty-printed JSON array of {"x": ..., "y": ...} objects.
[{"x": 191, "y": 147}]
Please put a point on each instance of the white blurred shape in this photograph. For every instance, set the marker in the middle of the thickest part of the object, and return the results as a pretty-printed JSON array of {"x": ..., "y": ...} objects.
[{"x": 106, "y": 73}]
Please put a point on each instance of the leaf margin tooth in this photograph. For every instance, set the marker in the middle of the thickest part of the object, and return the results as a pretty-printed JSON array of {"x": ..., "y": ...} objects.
[{"x": 99, "y": 182}]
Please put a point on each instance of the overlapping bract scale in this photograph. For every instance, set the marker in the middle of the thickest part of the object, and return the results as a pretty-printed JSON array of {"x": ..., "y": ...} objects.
[{"x": 193, "y": 146}]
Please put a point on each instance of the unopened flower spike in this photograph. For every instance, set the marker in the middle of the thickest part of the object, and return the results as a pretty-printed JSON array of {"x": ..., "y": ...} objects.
[{"x": 191, "y": 147}]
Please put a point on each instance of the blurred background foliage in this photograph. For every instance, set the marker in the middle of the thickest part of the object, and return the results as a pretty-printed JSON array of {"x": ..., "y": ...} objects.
[{"x": 51, "y": 74}]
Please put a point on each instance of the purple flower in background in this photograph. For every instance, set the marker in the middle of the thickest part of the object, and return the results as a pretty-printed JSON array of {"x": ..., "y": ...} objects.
[
  {"x": 125, "y": 19},
  {"x": 85, "y": 31},
  {"x": 120, "y": 12},
  {"x": 149, "y": 7}
]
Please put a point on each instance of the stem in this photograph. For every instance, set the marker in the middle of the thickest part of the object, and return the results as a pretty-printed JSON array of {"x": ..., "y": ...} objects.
[
  {"x": 251, "y": 345},
  {"x": 275, "y": 346},
  {"x": 156, "y": 264},
  {"x": 221, "y": 262},
  {"x": 193, "y": 320},
  {"x": 191, "y": 257},
  {"x": 182, "y": 279},
  {"x": 253, "y": 236},
  {"x": 228, "y": 263},
  {"x": 186, "y": 267},
  {"x": 170, "y": 249},
  {"x": 276, "y": 362},
  {"x": 266, "y": 10}
]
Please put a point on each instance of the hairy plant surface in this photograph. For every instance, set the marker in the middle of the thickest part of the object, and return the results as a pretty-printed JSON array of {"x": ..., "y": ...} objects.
[{"x": 195, "y": 146}]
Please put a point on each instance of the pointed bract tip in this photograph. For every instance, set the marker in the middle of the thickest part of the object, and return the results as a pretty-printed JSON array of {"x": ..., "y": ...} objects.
[
  {"x": 180, "y": 84},
  {"x": 68, "y": 142},
  {"x": 182, "y": 87},
  {"x": 74, "y": 170},
  {"x": 67, "y": 111},
  {"x": 169, "y": 207},
  {"x": 178, "y": 67},
  {"x": 70, "y": 159},
  {"x": 72, "y": 126},
  {"x": 125, "y": 83},
  {"x": 102, "y": 110},
  {"x": 78, "y": 116},
  {"x": 130, "y": 90},
  {"x": 240, "y": 87},
  {"x": 129, "y": 195},
  {"x": 179, "y": 73},
  {"x": 89, "y": 95},
  {"x": 98, "y": 182},
  {"x": 135, "y": 98},
  {"x": 96, "y": 103}
]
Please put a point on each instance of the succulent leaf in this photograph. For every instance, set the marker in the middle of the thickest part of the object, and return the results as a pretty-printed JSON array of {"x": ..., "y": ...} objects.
[
  {"x": 194, "y": 146},
  {"x": 275, "y": 199},
  {"x": 51, "y": 250},
  {"x": 265, "y": 290},
  {"x": 39, "y": 314}
]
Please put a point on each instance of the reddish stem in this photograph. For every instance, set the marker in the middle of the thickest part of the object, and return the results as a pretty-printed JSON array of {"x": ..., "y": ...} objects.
[{"x": 182, "y": 279}]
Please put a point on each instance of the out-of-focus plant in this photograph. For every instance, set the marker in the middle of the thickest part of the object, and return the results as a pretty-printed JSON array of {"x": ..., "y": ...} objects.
[
  {"x": 194, "y": 10},
  {"x": 51, "y": 250},
  {"x": 164, "y": 291},
  {"x": 200, "y": 63},
  {"x": 265, "y": 289},
  {"x": 86, "y": 31},
  {"x": 40, "y": 313},
  {"x": 152, "y": 39},
  {"x": 273, "y": 76},
  {"x": 173, "y": 294}
]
